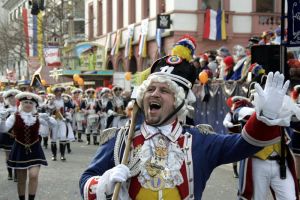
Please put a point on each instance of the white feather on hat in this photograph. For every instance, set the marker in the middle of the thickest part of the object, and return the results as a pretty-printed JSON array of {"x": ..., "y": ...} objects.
[
  {"x": 89, "y": 89},
  {"x": 117, "y": 86},
  {"x": 29, "y": 96},
  {"x": 11, "y": 92},
  {"x": 104, "y": 90},
  {"x": 76, "y": 90},
  {"x": 58, "y": 87},
  {"x": 66, "y": 95},
  {"x": 49, "y": 96}
]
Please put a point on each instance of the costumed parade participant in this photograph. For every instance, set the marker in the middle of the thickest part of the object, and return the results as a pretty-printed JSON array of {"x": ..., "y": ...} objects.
[
  {"x": 240, "y": 57},
  {"x": 234, "y": 126},
  {"x": 106, "y": 109},
  {"x": 44, "y": 129},
  {"x": 295, "y": 125},
  {"x": 6, "y": 138},
  {"x": 90, "y": 108},
  {"x": 168, "y": 160},
  {"x": 118, "y": 101},
  {"x": 119, "y": 107},
  {"x": 69, "y": 110},
  {"x": 78, "y": 116},
  {"x": 60, "y": 131},
  {"x": 26, "y": 155},
  {"x": 273, "y": 167}
]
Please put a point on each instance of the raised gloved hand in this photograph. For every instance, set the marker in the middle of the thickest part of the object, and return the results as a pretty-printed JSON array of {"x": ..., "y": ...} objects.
[
  {"x": 119, "y": 173},
  {"x": 271, "y": 103},
  {"x": 271, "y": 98}
]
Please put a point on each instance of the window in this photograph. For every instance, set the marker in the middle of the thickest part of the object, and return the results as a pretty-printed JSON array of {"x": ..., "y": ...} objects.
[
  {"x": 265, "y": 6},
  {"x": 109, "y": 16},
  {"x": 161, "y": 6},
  {"x": 99, "y": 18},
  {"x": 131, "y": 11},
  {"x": 11, "y": 16},
  {"x": 90, "y": 21},
  {"x": 145, "y": 9},
  {"x": 79, "y": 27},
  {"x": 120, "y": 14},
  {"x": 211, "y": 4}
]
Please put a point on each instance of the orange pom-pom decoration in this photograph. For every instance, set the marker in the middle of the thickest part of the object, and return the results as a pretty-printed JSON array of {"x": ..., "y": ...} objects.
[
  {"x": 80, "y": 82},
  {"x": 128, "y": 76},
  {"x": 76, "y": 77},
  {"x": 43, "y": 82}
]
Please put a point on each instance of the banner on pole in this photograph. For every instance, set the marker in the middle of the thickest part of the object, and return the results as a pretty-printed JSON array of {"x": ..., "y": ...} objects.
[{"x": 52, "y": 56}]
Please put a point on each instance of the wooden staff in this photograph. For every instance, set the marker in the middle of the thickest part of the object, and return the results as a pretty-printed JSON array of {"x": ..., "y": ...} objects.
[{"x": 127, "y": 147}]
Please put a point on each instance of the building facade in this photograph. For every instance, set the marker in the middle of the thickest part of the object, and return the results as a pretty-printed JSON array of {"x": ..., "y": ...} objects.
[
  {"x": 107, "y": 21},
  {"x": 13, "y": 10}
]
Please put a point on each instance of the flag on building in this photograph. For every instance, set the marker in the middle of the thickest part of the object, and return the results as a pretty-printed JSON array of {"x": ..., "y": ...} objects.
[
  {"x": 143, "y": 38},
  {"x": 128, "y": 46},
  {"x": 214, "y": 25},
  {"x": 159, "y": 41},
  {"x": 40, "y": 41},
  {"x": 116, "y": 45},
  {"x": 33, "y": 33},
  {"x": 107, "y": 46}
]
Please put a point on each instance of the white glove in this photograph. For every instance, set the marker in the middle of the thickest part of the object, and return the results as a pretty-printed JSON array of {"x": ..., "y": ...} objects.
[
  {"x": 119, "y": 173},
  {"x": 279, "y": 106},
  {"x": 111, "y": 113},
  {"x": 44, "y": 116},
  {"x": 228, "y": 124},
  {"x": 10, "y": 110},
  {"x": 3, "y": 114},
  {"x": 244, "y": 112},
  {"x": 270, "y": 99}
]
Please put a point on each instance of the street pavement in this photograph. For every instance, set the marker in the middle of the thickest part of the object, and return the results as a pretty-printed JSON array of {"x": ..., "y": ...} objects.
[{"x": 59, "y": 180}]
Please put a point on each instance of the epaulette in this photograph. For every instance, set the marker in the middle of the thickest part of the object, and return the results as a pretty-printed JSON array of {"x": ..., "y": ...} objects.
[
  {"x": 205, "y": 129},
  {"x": 107, "y": 134}
]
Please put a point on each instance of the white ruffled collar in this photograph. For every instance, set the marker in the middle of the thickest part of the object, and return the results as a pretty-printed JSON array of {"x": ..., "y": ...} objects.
[
  {"x": 28, "y": 118},
  {"x": 171, "y": 131}
]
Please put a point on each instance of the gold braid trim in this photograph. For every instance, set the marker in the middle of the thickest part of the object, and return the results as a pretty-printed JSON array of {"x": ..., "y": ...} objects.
[{"x": 27, "y": 146}]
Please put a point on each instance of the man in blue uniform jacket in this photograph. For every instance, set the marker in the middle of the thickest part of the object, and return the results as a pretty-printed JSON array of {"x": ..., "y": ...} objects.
[{"x": 171, "y": 161}]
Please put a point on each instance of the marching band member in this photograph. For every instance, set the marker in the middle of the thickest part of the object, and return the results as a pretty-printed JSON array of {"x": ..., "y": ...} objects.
[
  {"x": 295, "y": 125},
  {"x": 78, "y": 117},
  {"x": 59, "y": 132},
  {"x": 234, "y": 126},
  {"x": 118, "y": 101},
  {"x": 6, "y": 138},
  {"x": 106, "y": 108},
  {"x": 26, "y": 155},
  {"x": 69, "y": 119},
  {"x": 92, "y": 118},
  {"x": 44, "y": 129}
]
